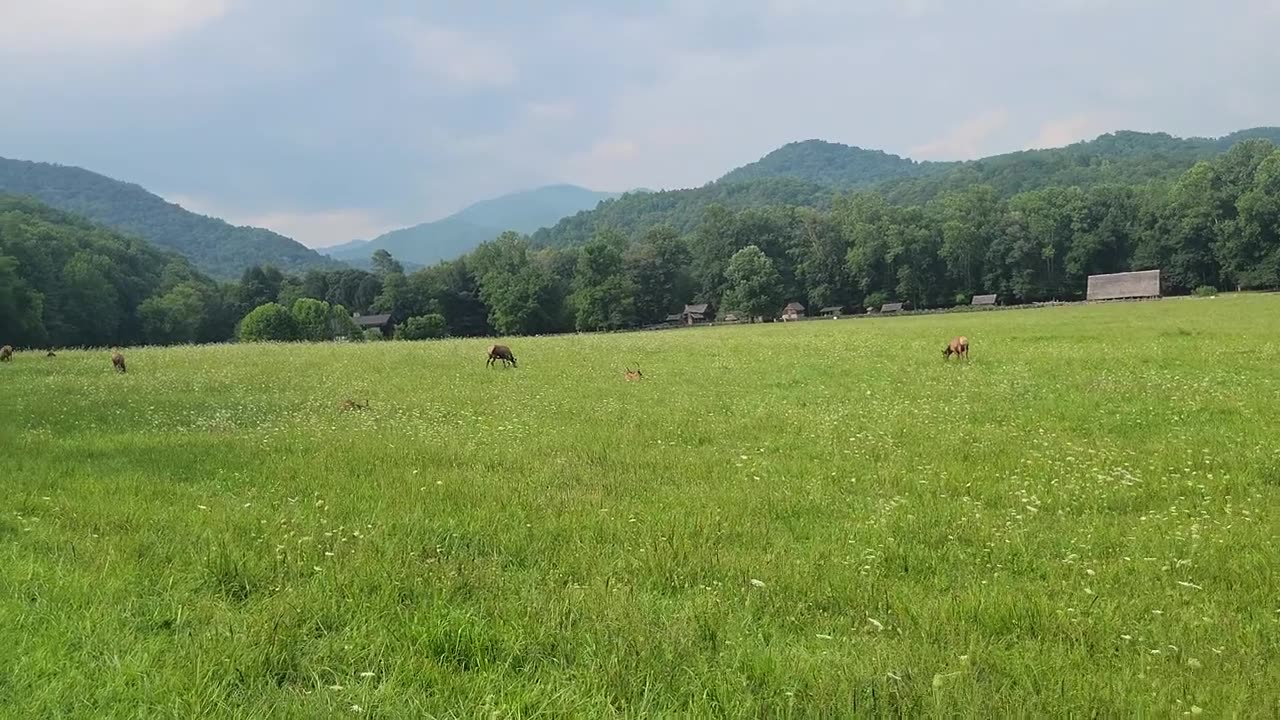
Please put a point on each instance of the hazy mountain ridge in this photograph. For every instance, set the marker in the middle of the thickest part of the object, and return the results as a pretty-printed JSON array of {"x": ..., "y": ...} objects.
[
  {"x": 459, "y": 233},
  {"x": 215, "y": 247}
]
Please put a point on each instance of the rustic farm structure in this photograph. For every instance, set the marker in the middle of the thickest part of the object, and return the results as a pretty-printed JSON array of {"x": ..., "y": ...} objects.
[
  {"x": 793, "y": 311},
  {"x": 1124, "y": 286},
  {"x": 374, "y": 322},
  {"x": 698, "y": 313},
  {"x": 983, "y": 300},
  {"x": 890, "y": 307},
  {"x": 833, "y": 311}
]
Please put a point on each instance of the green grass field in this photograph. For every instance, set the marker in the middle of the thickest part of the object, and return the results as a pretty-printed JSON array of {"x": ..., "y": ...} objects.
[{"x": 809, "y": 519}]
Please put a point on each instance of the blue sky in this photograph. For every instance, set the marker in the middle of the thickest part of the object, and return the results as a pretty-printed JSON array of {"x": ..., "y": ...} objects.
[{"x": 329, "y": 120}]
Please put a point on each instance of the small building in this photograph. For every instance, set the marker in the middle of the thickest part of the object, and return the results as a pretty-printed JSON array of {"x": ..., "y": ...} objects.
[
  {"x": 793, "y": 311},
  {"x": 674, "y": 318},
  {"x": 983, "y": 300},
  {"x": 731, "y": 318},
  {"x": 374, "y": 322},
  {"x": 891, "y": 307},
  {"x": 698, "y": 313},
  {"x": 1124, "y": 286},
  {"x": 832, "y": 311}
]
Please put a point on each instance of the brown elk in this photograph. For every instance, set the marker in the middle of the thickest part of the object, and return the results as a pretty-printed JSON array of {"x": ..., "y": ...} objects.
[
  {"x": 958, "y": 347},
  {"x": 117, "y": 361},
  {"x": 353, "y": 405},
  {"x": 633, "y": 374},
  {"x": 6, "y": 353},
  {"x": 51, "y": 354},
  {"x": 500, "y": 352}
]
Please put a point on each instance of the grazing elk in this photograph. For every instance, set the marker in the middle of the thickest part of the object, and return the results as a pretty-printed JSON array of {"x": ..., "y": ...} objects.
[
  {"x": 633, "y": 374},
  {"x": 500, "y": 352},
  {"x": 958, "y": 347},
  {"x": 6, "y": 353},
  {"x": 51, "y": 354},
  {"x": 117, "y": 361}
]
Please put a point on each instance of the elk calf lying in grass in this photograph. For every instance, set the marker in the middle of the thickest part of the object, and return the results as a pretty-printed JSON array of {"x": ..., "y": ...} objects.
[
  {"x": 633, "y": 374},
  {"x": 500, "y": 352},
  {"x": 117, "y": 361},
  {"x": 958, "y": 347},
  {"x": 353, "y": 405}
]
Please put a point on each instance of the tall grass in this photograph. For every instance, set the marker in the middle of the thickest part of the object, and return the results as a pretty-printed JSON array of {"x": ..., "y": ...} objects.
[{"x": 812, "y": 519}]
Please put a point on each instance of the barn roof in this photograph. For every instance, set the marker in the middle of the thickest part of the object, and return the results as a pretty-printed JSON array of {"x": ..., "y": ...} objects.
[
  {"x": 794, "y": 306},
  {"x": 699, "y": 309},
  {"x": 832, "y": 308},
  {"x": 372, "y": 320}
]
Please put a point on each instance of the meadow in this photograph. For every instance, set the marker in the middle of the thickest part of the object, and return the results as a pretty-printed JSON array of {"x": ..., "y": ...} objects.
[{"x": 782, "y": 520}]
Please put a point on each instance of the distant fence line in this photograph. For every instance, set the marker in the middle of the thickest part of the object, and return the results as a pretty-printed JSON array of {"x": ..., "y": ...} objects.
[{"x": 905, "y": 313}]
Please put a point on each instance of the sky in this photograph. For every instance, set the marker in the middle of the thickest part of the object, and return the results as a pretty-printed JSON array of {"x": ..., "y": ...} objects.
[{"x": 331, "y": 120}]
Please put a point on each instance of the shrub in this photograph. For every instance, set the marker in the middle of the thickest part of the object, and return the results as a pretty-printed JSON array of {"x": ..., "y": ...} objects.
[
  {"x": 343, "y": 326},
  {"x": 373, "y": 335},
  {"x": 313, "y": 318},
  {"x": 422, "y": 327},
  {"x": 268, "y": 322},
  {"x": 1205, "y": 291}
]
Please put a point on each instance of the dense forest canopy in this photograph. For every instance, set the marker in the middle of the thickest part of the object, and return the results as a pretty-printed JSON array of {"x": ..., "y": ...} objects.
[
  {"x": 65, "y": 281},
  {"x": 764, "y": 242},
  {"x": 216, "y": 248},
  {"x": 810, "y": 173},
  {"x": 838, "y": 166}
]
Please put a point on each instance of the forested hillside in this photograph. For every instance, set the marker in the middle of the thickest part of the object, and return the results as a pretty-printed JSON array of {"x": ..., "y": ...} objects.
[
  {"x": 764, "y": 242},
  {"x": 814, "y": 171},
  {"x": 833, "y": 164},
  {"x": 215, "y": 247},
  {"x": 1215, "y": 225},
  {"x": 1122, "y": 158},
  {"x": 65, "y": 281},
  {"x": 682, "y": 209}
]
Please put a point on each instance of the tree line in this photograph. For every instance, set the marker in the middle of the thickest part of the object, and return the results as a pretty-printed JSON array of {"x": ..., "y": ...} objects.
[{"x": 64, "y": 281}]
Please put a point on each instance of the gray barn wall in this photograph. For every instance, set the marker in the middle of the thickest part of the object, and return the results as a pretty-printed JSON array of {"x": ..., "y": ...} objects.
[{"x": 1116, "y": 286}]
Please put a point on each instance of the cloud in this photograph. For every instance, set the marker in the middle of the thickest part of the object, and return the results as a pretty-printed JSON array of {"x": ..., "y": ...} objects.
[
  {"x": 460, "y": 60},
  {"x": 324, "y": 119},
  {"x": 966, "y": 141},
  {"x": 324, "y": 228},
  {"x": 77, "y": 26},
  {"x": 315, "y": 229},
  {"x": 551, "y": 111},
  {"x": 1074, "y": 128}
]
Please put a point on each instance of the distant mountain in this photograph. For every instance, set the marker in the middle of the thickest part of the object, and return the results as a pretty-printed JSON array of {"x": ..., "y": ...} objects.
[
  {"x": 529, "y": 210},
  {"x": 215, "y": 247},
  {"x": 682, "y": 209},
  {"x": 812, "y": 172},
  {"x": 832, "y": 164},
  {"x": 350, "y": 245},
  {"x": 461, "y": 232},
  {"x": 1124, "y": 157}
]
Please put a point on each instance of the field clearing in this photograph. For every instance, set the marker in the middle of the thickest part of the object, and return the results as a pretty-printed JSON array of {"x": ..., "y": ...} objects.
[{"x": 808, "y": 519}]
